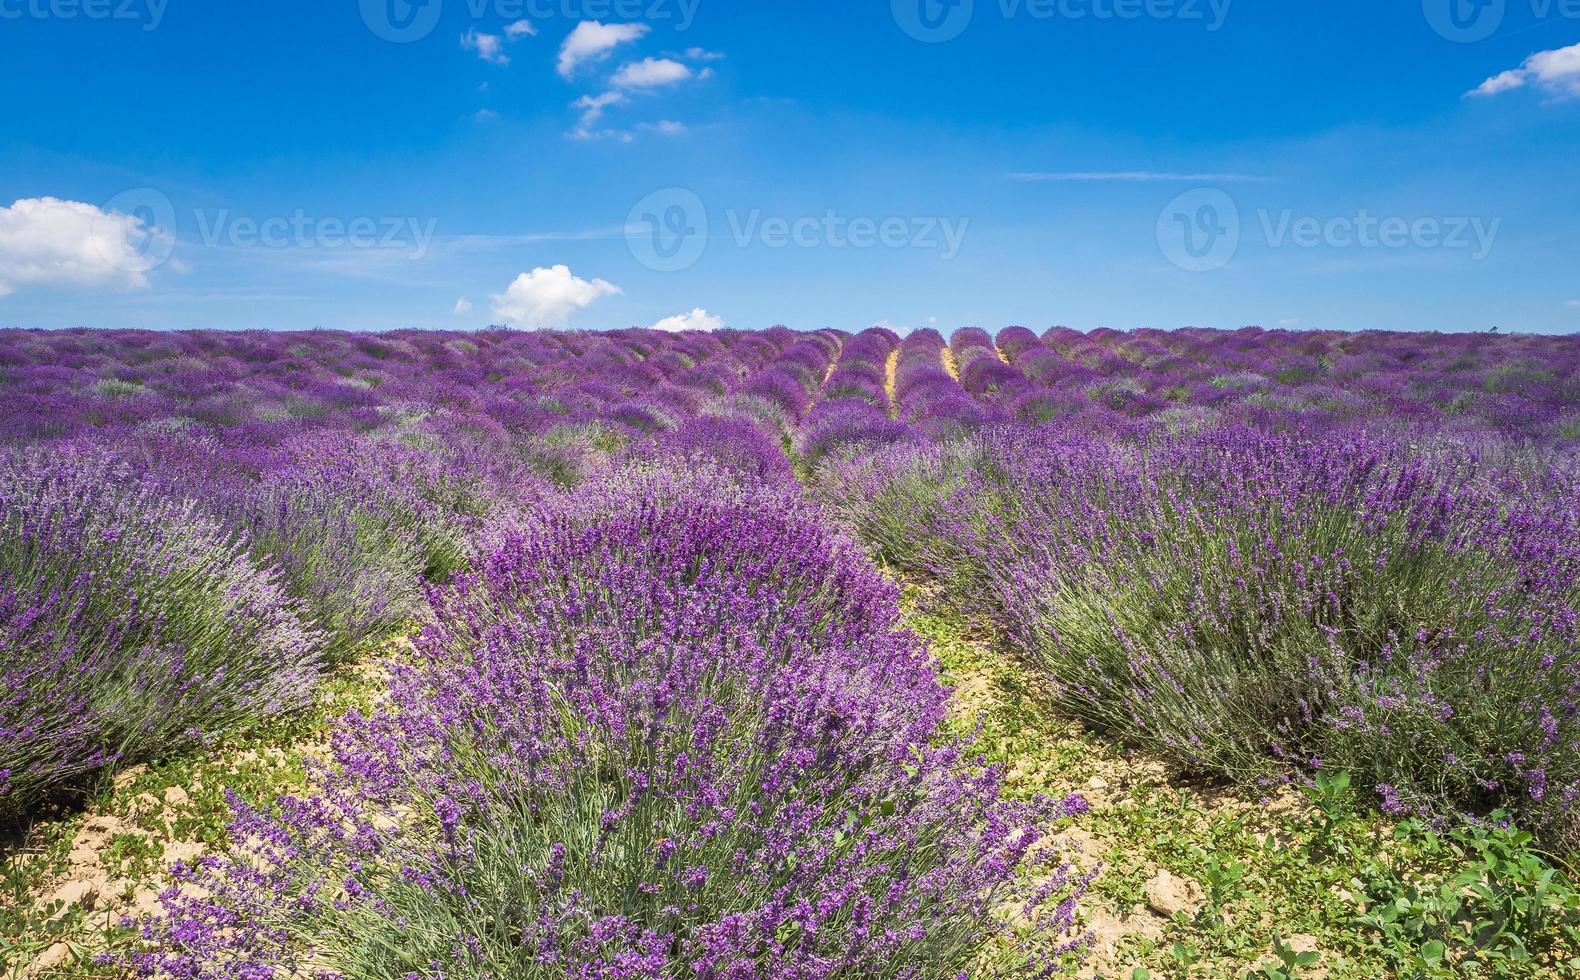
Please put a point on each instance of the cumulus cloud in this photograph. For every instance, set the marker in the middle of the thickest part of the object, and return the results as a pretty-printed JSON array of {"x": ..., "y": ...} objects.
[
  {"x": 697, "y": 319},
  {"x": 546, "y": 298},
  {"x": 1556, "y": 73},
  {"x": 703, "y": 54},
  {"x": 463, "y": 307},
  {"x": 651, "y": 73},
  {"x": 592, "y": 41},
  {"x": 45, "y": 241},
  {"x": 520, "y": 29}
]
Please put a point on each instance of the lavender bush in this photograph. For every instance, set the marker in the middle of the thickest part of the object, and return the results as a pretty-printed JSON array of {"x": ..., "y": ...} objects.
[
  {"x": 1258, "y": 605},
  {"x": 129, "y": 624},
  {"x": 668, "y": 730}
]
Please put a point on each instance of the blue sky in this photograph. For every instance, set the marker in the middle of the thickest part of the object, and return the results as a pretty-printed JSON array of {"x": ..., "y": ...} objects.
[{"x": 607, "y": 163}]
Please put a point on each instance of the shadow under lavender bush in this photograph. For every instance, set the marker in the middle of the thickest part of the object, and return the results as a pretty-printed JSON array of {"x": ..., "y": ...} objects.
[{"x": 669, "y": 730}]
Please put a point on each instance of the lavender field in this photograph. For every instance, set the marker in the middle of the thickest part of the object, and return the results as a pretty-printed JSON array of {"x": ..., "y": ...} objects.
[{"x": 731, "y": 655}]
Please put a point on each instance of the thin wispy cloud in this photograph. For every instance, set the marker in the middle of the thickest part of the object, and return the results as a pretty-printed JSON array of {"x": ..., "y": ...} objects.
[
  {"x": 484, "y": 243},
  {"x": 1139, "y": 177}
]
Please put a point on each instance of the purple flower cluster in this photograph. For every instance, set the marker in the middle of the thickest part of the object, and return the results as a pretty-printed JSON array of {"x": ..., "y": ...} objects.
[{"x": 668, "y": 727}]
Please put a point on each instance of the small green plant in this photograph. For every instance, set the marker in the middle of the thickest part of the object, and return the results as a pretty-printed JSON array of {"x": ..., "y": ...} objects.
[
  {"x": 1290, "y": 962},
  {"x": 133, "y": 856},
  {"x": 1220, "y": 877},
  {"x": 1332, "y": 801}
]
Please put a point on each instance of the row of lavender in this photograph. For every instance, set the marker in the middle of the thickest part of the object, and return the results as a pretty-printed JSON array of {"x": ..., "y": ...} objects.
[
  {"x": 1253, "y": 580},
  {"x": 667, "y": 727},
  {"x": 193, "y": 526}
]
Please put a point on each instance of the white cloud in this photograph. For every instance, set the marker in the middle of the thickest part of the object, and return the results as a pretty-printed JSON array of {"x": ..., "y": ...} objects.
[
  {"x": 697, "y": 319},
  {"x": 1139, "y": 176},
  {"x": 592, "y": 41},
  {"x": 1289, "y": 321},
  {"x": 898, "y": 328},
  {"x": 45, "y": 241},
  {"x": 664, "y": 127},
  {"x": 1556, "y": 72},
  {"x": 592, "y": 108},
  {"x": 489, "y": 47},
  {"x": 484, "y": 115},
  {"x": 1575, "y": 303},
  {"x": 520, "y": 29},
  {"x": 703, "y": 54},
  {"x": 545, "y": 298},
  {"x": 463, "y": 307},
  {"x": 650, "y": 73}
]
